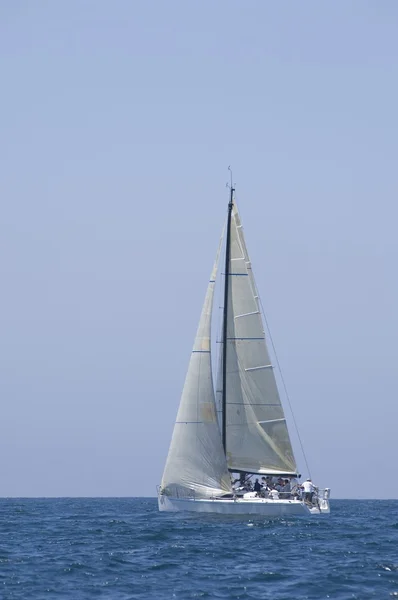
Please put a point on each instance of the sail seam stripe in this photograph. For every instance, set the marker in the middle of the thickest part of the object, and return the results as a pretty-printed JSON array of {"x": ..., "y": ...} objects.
[
  {"x": 246, "y": 338},
  {"x": 253, "y": 404},
  {"x": 262, "y": 367},
  {"x": 200, "y": 351},
  {"x": 256, "y": 312},
  {"x": 242, "y": 424},
  {"x": 188, "y": 422}
]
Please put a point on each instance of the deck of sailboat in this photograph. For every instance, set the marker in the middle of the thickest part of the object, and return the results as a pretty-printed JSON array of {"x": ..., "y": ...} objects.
[{"x": 242, "y": 506}]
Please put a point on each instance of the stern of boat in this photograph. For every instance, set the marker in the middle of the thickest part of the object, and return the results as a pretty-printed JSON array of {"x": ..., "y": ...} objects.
[{"x": 321, "y": 503}]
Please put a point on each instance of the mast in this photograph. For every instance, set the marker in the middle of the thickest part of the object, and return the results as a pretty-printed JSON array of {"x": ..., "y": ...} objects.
[{"x": 225, "y": 322}]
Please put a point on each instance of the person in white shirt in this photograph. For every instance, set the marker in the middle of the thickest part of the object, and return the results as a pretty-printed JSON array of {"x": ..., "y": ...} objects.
[
  {"x": 308, "y": 489},
  {"x": 274, "y": 494}
]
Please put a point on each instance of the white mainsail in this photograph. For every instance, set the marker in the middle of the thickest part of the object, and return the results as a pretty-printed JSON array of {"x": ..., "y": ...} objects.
[
  {"x": 257, "y": 438},
  {"x": 196, "y": 463}
]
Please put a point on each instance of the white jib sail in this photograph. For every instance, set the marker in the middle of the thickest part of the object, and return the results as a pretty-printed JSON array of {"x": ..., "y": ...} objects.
[
  {"x": 196, "y": 463},
  {"x": 257, "y": 435}
]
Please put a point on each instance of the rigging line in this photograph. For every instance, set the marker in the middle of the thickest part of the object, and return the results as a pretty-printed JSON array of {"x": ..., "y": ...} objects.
[{"x": 284, "y": 386}]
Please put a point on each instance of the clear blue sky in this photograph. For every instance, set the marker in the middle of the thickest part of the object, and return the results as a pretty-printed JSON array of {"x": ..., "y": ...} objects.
[{"x": 118, "y": 122}]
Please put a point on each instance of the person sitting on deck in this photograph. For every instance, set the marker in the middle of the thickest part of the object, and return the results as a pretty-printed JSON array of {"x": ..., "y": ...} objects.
[
  {"x": 295, "y": 489},
  {"x": 244, "y": 484},
  {"x": 285, "y": 490},
  {"x": 274, "y": 494},
  {"x": 241, "y": 479},
  {"x": 264, "y": 488}
]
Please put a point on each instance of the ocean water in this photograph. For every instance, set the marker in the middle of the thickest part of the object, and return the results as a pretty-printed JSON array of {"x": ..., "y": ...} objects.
[{"x": 122, "y": 548}]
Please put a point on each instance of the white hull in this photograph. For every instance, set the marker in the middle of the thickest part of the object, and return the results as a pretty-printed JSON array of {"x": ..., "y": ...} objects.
[{"x": 251, "y": 506}]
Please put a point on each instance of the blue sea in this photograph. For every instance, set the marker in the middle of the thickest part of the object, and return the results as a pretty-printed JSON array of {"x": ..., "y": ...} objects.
[{"x": 121, "y": 548}]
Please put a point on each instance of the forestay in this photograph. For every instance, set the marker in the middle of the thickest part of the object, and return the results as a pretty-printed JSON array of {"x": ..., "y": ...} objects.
[
  {"x": 196, "y": 464},
  {"x": 257, "y": 437}
]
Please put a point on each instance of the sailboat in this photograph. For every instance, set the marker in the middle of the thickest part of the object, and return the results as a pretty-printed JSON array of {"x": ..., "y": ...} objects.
[{"x": 240, "y": 428}]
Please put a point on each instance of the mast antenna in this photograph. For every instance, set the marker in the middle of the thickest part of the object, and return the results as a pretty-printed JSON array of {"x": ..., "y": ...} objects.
[{"x": 230, "y": 170}]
